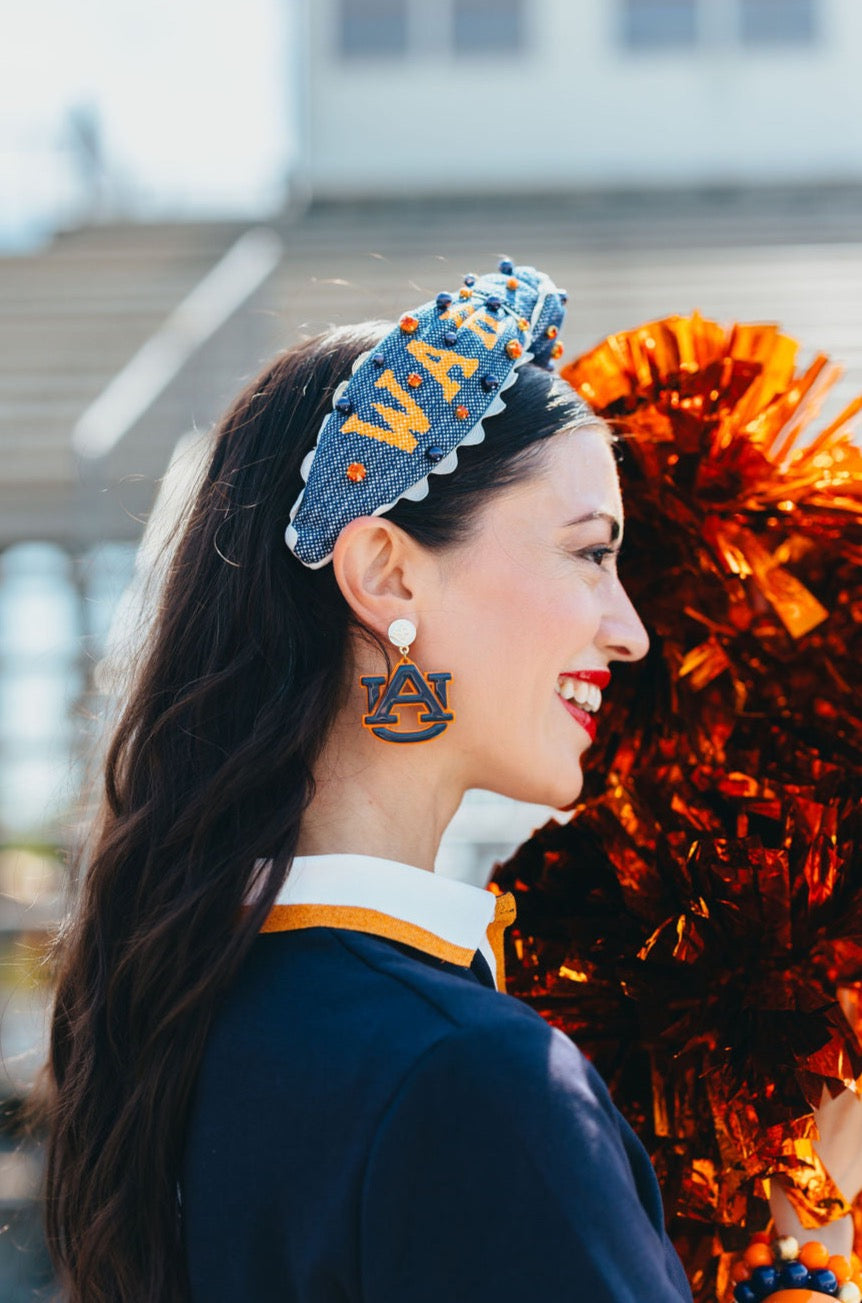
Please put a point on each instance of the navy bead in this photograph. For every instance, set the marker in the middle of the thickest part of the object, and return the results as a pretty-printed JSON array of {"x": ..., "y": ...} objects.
[
  {"x": 489, "y": 383},
  {"x": 451, "y": 337},
  {"x": 743, "y": 1293},
  {"x": 443, "y": 300},
  {"x": 794, "y": 1275},
  {"x": 824, "y": 1279},
  {"x": 507, "y": 266},
  {"x": 564, "y": 298},
  {"x": 344, "y": 406},
  {"x": 550, "y": 366},
  {"x": 435, "y": 452},
  {"x": 470, "y": 280},
  {"x": 764, "y": 1280},
  {"x": 379, "y": 359},
  {"x": 493, "y": 302}
]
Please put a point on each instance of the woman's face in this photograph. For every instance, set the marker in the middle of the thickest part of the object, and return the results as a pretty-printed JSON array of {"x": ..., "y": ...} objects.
[{"x": 531, "y": 597}]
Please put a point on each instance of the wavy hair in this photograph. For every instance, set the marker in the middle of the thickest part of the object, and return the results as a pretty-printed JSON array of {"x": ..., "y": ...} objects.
[{"x": 208, "y": 773}]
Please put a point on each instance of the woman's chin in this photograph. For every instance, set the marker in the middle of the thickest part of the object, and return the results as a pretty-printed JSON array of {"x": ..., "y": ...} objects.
[
  {"x": 565, "y": 785},
  {"x": 566, "y": 798},
  {"x": 558, "y": 793}
]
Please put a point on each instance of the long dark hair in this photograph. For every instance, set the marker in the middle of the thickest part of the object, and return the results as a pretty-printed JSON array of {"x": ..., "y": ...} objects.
[{"x": 208, "y": 773}]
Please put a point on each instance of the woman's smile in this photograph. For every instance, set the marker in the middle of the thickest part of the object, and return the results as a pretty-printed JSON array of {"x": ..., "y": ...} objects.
[{"x": 581, "y": 693}]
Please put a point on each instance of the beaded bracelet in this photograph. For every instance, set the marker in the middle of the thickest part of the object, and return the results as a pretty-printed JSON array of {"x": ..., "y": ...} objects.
[{"x": 778, "y": 1270}]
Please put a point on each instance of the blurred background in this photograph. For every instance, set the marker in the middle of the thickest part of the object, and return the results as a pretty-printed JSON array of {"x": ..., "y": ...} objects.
[{"x": 187, "y": 187}]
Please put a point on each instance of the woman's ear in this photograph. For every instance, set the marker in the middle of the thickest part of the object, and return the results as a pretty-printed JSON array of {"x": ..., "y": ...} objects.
[{"x": 375, "y": 566}]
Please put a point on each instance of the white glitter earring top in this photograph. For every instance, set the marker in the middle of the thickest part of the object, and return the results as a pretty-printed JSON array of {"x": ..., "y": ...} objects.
[{"x": 402, "y": 633}]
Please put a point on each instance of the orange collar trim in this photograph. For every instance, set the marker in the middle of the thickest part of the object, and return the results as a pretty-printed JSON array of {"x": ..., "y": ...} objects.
[{"x": 288, "y": 918}]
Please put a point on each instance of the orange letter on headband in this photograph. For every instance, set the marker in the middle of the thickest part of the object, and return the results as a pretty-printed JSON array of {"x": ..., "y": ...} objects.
[
  {"x": 438, "y": 362},
  {"x": 401, "y": 426},
  {"x": 480, "y": 319},
  {"x": 456, "y": 315}
]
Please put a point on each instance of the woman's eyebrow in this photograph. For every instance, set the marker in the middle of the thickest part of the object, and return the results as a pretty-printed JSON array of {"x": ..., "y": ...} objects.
[{"x": 598, "y": 515}]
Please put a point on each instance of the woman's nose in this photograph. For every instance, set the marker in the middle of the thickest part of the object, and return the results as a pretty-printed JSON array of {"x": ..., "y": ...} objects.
[{"x": 625, "y": 637}]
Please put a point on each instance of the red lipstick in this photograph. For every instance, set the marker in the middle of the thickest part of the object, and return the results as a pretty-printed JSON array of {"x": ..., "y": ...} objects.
[
  {"x": 601, "y": 678},
  {"x": 586, "y": 721}
]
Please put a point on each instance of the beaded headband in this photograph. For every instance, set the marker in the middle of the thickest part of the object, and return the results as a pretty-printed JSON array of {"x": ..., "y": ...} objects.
[{"x": 422, "y": 392}]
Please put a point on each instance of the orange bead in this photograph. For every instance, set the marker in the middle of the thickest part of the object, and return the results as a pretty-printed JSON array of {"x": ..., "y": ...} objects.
[
  {"x": 758, "y": 1255},
  {"x": 409, "y": 324},
  {"x": 523, "y": 323},
  {"x": 552, "y": 332},
  {"x": 740, "y": 1271},
  {"x": 512, "y": 283},
  {"x": 513, "y": 348},
  {"x": 356, "y": 472},
  {"x": 462, "y": 413},
  {"x": 839, "y": 1264},
  {"x": 465, "y": 293},
  {"x": 557, "y": 351},
  {"x": 814, "y": 1255},
  {"x": 414, "y": 380}
]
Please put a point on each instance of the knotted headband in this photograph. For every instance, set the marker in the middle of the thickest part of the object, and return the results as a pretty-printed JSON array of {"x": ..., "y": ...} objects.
[{"x": 422, "y": 392}]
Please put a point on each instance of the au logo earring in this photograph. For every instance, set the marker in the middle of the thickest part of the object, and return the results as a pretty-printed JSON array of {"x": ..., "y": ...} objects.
[{"x": 406, "y": 686}]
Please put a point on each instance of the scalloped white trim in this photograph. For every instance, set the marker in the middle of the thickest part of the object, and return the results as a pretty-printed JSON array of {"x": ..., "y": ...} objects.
[{"x": 417, "y": 491}]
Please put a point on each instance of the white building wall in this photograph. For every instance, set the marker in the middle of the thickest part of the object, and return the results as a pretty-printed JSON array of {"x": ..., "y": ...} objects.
[{"x": 578, "y": 109}]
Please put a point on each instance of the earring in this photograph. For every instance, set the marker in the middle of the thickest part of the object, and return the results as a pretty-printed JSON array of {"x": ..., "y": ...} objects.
[{"x": 406, "y": 686}]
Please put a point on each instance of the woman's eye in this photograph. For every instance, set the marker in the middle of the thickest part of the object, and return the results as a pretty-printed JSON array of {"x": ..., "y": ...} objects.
[{"x": 598, "y": 555}]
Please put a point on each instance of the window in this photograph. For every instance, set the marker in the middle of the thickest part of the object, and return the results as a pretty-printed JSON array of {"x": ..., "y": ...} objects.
[
  {"x": 40, "y": 678},
  {"x": 655, "y": 24},
  {"x": 488, "y": 26},
  {"x": 777, "y": 21},
  {"x": 373, "y": 28},
  {"x": 54, "y": 615}
]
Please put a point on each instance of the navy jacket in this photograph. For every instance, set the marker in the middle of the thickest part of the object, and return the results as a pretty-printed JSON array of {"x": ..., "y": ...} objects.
[{"x": 374, "y": 1124}]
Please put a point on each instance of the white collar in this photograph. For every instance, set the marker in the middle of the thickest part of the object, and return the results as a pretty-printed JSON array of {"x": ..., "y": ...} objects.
[{"x": 457, "y": 914}]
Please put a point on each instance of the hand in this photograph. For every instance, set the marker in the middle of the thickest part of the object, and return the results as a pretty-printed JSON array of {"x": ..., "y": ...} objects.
[{"x": 839, "y": 1123}]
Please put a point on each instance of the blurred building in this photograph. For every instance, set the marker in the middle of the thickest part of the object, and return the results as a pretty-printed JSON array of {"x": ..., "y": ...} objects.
[
  {"x": 288, "y": 100},
  {"x": 406, "y": 97}
]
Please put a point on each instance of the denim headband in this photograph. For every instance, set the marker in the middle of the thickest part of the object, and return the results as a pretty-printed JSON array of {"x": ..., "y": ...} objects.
[{"x": 412, "y": 401}]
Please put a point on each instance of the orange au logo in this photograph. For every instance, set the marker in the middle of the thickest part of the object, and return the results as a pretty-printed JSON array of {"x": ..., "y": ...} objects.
[{"x": 408, "y": 687}]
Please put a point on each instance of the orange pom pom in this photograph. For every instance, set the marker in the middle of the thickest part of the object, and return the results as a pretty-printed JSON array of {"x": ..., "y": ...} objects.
[
  {"x": 758, "y": 1255},
  {"x": 814, "y": 1255}
]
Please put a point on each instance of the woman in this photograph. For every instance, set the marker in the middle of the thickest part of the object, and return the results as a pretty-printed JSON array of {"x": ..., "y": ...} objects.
[{"x": 282, "y": 1069}]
